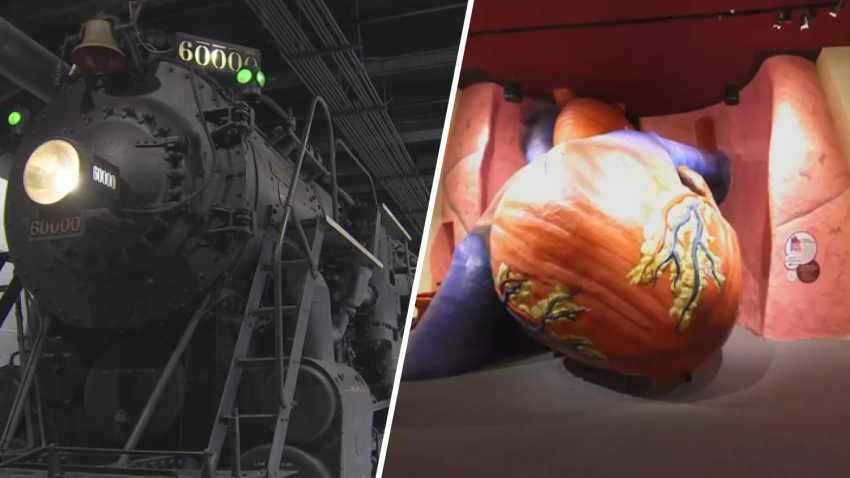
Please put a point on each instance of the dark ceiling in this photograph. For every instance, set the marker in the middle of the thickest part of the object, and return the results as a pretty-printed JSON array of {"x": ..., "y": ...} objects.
[
  {"x": 408, "y": 48},
  {"x": 656, "y": 56}
]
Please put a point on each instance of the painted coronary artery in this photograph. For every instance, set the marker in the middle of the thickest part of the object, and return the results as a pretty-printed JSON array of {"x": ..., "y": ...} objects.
[
  {"x": 546, "y": 315},
  {"x": 677, "y": 241}
]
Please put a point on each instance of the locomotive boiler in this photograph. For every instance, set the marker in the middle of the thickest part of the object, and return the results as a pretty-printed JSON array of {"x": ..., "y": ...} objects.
[{"x": 196, "y": 294}]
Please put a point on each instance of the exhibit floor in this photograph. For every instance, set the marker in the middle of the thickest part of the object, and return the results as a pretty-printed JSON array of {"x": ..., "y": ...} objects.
[{"x": 758, "y": 409}]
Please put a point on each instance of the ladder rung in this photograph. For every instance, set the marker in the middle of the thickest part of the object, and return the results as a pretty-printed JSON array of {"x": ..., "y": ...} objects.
[
  {"x": 249, "y": 416},
  {"x": 255, "y": 362},
  {"x": 284, "y": 264},
  {"x": 269, "y": 311}
]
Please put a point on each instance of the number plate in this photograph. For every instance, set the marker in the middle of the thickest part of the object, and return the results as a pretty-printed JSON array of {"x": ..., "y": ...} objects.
[
  {"x": 59, "y": 228},
  {"x": 215, "y": 55}
]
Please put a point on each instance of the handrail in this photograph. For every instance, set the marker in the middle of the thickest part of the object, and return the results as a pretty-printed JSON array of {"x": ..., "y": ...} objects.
[
  {"x": 346, "y": 198},
  {"x": 407, "y": 258},
  {"x": 305, "y": 136},
  {"x": 7, "y": 300},
  {"x": 287, "y": 212},
  {"x": 27, "y": 379},
  {"x": 359, "y": 165},
  {"x": 163, "y": 382}
]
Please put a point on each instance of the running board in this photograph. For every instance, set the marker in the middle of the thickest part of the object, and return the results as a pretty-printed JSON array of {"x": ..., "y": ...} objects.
[
  {"x": 392, "y": 225},
  {"x": 341, "y": 235}
]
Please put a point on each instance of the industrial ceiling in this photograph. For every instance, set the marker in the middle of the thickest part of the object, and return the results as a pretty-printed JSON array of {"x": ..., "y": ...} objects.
[{"x": 384, "y": 67}]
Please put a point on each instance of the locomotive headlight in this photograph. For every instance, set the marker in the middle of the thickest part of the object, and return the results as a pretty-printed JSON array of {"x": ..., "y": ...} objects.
[{"x": 52, "y": 172}]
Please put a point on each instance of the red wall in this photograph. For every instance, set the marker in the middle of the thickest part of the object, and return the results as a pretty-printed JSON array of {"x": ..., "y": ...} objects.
[{"x": 656, "y": 68}]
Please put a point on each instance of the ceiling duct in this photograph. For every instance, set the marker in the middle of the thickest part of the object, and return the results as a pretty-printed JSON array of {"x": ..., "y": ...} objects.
[
  {"x": 331, "y": 68},
  {"x": 25, "y": 63}
]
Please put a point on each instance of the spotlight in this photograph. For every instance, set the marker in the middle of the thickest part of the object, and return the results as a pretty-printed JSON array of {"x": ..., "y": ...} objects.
[
  {"x": 781, "y": 18},
  {"x": 513, "y": 92},
  {"x": 732, "y": 96},
  {"x": 807, "y": 18},
  {"x": 837, "y": 8}
]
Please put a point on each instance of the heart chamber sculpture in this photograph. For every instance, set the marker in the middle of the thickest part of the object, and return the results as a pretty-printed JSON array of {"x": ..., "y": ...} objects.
[
  {"x": 608, "y": 247},
  {"x": 607, "y": 252}
]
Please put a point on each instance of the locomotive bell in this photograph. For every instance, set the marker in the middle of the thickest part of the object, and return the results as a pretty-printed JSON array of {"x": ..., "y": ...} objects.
[{"x": 98, "y": 52}]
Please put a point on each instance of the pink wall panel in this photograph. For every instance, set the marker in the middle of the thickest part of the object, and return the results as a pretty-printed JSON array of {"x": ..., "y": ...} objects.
[
  {"x": 484, "y": 150},
  {"x": 789, "y": 176}
]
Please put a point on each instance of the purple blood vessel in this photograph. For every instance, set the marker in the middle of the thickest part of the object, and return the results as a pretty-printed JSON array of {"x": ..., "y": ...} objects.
[
  {"x": 466, "y": 326},
  {"x": 540, "y": 133}
]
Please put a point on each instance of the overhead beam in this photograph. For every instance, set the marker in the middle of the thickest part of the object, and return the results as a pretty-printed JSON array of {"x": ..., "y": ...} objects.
[
  {"x": 365, "y": 187},
  {"x": 406, "y": 14},
  {"x": 409, "y": 137},
  {"x": 7, "y": 89},
  {"x": 47, "y": 12},
  {"x": 345, "y": 168},
  {"x": 422, "y": 135},
  {"x": 388, "y": 66},
  {"x": 300, "y": 118}
]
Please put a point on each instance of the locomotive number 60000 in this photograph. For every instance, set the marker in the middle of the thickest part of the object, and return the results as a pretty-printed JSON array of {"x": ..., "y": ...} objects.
[
  {"x": 215, "y": 55},
  {"x": 54, "y": 228}
]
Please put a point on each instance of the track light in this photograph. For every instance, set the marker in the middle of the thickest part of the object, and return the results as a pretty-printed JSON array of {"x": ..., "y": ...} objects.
[
  {"x": 513, "y": 92},
  {"x": 836, "y": 9},
  {"x": 806, "y": 19},
  {"x": 781, "y": 18},
  {"x": 732, "y": 96}
]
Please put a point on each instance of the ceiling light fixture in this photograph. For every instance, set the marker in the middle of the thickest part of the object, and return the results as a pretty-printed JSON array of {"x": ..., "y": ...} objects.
[
  {"x": 836, "y": 9},
  {"x": 781, "y": 18},
  {"x": 806, "y": 19}
]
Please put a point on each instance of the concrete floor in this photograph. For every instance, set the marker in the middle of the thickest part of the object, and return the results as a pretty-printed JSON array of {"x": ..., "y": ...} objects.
[{"x": 757, "y": 409}]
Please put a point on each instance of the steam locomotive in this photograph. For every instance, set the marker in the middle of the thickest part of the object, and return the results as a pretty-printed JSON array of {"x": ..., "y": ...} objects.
[{"x": 197, "y": 295}]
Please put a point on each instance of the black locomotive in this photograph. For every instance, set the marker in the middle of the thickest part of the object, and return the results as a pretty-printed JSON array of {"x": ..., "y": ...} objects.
[{"x": 197, "y": 295}]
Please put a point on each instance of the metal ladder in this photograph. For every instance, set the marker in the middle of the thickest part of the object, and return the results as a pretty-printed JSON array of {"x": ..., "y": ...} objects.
[
  {"x": 227, "y": 417},
  {"x": 270, "y": 264}
]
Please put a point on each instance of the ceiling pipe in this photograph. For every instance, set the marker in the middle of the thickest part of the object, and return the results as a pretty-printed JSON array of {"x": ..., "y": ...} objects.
[
  {"x": 371, "y": 134},
  {"x": 406, "y": 14},
  {"x": 26, "y": 63}
]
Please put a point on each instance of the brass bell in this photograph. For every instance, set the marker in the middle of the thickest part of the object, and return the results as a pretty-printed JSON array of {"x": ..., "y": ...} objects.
[{"x": 98, "y": 52}]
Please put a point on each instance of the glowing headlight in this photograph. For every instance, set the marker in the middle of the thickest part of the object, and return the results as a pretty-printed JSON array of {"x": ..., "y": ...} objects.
[{"x": 52, "y": 172}]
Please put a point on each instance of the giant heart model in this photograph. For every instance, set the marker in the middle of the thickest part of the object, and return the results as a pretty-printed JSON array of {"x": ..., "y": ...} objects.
[{"x": 607, "y": 252}]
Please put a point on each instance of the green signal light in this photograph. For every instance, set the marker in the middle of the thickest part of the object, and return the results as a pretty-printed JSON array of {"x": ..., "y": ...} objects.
[
  {"x": 15, "y": 118},
  {"x": 244, "y": 76},
  {"x": 261, "y": 78}
]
